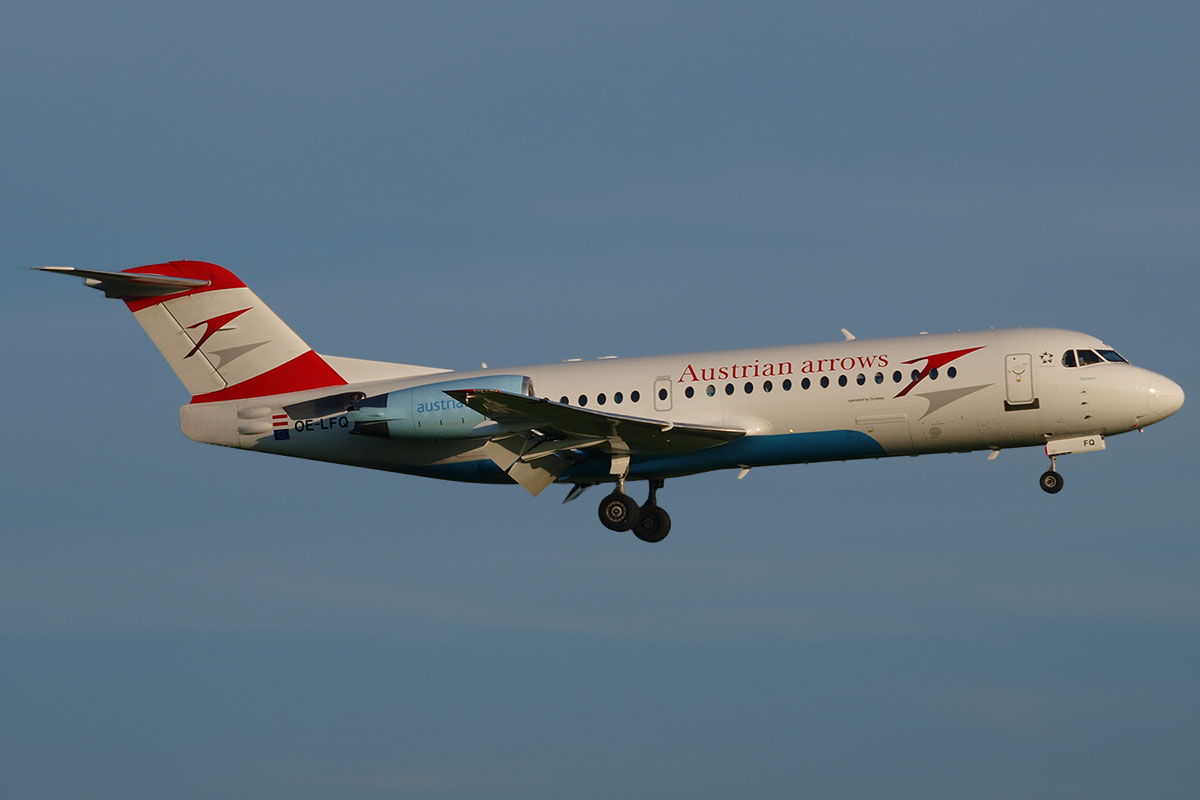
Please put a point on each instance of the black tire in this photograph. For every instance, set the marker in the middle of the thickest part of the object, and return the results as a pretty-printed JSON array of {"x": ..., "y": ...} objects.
[
  {"x": 653, "y": 524},
  {"x": 1051, "y": 482},
  {"x": 618, "y": 512}
]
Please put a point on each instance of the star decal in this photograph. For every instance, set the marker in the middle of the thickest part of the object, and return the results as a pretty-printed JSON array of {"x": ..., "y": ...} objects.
[{"x": 1047, "y": 358}]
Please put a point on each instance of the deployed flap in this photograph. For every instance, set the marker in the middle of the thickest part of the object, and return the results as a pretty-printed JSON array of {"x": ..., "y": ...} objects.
[
  {"x": 532, "y": 471},
  {"x": 627, "y": 434}
]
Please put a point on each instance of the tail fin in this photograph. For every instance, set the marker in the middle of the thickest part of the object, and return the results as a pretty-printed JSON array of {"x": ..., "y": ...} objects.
[{"x": 223, "y": 342}]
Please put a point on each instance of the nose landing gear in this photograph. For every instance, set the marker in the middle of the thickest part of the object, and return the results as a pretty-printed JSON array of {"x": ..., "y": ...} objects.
[
  {"x": 1051, "y": 482},
  {"x": 619, "y": 512}
]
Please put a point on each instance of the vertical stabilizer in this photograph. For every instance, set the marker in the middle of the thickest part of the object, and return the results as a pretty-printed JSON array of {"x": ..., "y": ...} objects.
[{"x": 223, "y": 342}]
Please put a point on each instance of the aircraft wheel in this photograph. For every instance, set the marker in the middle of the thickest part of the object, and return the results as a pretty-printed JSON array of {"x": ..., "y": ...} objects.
[
  {"x": 653, "y": 524},
  {"x": 618, "y": 512},
  {"x": 1051, "y": 482}
]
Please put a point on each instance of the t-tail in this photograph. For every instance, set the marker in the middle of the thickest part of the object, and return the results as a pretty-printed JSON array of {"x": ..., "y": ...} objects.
[{"x": 223, "y": 342}]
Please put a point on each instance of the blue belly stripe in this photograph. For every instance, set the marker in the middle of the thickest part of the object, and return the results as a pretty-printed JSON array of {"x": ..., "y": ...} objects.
[
  {"x": 749, "y": 451},
  {"x": 484, "y": 471}
]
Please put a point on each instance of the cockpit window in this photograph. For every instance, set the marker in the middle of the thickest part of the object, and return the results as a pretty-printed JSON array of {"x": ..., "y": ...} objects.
[
  {"x": 1068, "y": 358},
  {"x": 1114, "y": 356},
  {"x": 1088, "y": 357}
]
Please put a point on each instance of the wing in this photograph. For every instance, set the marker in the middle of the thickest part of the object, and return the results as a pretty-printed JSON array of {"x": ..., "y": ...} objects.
[{"x": 537, "y": 439}]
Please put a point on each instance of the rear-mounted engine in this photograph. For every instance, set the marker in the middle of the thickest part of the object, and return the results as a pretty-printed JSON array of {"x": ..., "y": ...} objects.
[{"x": 427, "y": 412}]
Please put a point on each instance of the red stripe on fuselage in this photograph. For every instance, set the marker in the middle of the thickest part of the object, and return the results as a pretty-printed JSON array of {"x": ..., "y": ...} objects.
[
  {"x": 305, "y": 371},
  {"x": 935, "y": 361}
]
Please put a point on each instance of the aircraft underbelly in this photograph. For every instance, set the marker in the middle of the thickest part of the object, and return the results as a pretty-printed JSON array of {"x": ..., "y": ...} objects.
[
  {"x": 891, "y": 431},
  {"x": 750, "y": 451}
]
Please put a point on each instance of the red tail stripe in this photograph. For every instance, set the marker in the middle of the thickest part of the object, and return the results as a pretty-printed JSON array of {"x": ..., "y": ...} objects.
[{"x": 218, "y": 278}]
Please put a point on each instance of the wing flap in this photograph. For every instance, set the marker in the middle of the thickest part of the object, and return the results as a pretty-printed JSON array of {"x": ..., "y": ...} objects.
[{"x": 534, "y": 472}]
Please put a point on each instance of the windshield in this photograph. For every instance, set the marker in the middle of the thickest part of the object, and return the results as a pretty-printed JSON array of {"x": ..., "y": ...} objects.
[
  {"x": 1083, "y": 358},
  {"x": 1114, "y": 356}
]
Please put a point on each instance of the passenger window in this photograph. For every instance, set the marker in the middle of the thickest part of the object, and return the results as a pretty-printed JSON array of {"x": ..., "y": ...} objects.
[
  {"x": 601, "y": 399},
  {"x": 564, "y": 400},
  {"x": 1068, "y": 358},
  {"x": 1087, "y": 357},
  {"x": 729, "y": 388},
  {"x": 634, "y": 396},
  {"x": 916, "y": 374},
  {"x": 787, "y": 384},
  {"x": 879, "y": 377},
  {"x": 861, "y": 379},
  {"x": 897, "y": 377},
  {"x": 662, "y": 394},
  {"x": 841, "y": 380},
  {"x": 749, "y": 387},
  {"x": 767, "y": 386},
  {"x": 933, "y": 374},
  {"x": 711, "y": 390},
  {"x": 804, "y": 384},
  {"x": 952, "y": 372},
  {"x": 689, "y": 392},
  {"x": 618, "y": 397},
  {"x": 583, "y": 399},
  {"x": 824, "y": 381}
]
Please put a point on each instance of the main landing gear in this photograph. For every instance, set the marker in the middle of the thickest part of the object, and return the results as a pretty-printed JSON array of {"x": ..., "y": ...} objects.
[
  {"x": 620, "y": 512},
  {"x": 1051, "y": 482}
]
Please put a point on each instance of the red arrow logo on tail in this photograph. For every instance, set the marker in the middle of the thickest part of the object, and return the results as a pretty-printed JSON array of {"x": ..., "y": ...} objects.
[{"x": 214, "y": 324}]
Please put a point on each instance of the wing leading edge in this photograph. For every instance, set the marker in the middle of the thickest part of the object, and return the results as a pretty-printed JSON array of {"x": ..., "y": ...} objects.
[{"x": 540, "y": 439}]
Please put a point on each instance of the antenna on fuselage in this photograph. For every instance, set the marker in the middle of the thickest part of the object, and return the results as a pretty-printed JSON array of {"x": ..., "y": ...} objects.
[{"x": 849, "y": 336}]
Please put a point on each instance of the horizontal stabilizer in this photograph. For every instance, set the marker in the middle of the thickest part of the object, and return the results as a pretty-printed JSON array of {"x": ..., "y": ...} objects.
[{"x": 129, "y": 284}]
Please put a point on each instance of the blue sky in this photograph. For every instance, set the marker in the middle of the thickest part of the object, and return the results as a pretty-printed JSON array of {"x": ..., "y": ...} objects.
[{"x": 515, "y": 183}]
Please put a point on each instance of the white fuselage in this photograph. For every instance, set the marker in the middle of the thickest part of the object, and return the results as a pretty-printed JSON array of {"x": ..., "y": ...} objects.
[{"x": 862, "y": 398}]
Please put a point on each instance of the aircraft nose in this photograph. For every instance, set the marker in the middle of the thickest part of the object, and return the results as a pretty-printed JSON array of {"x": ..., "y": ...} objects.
[{"x": 1165, "y": 396}]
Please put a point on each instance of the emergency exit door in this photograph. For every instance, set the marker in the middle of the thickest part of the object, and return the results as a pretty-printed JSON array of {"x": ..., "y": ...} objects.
[{"x": 662, "y": 394}]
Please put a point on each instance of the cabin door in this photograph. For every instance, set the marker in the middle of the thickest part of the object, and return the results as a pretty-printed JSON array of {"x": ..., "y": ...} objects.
[{"x": 1018, "y": 378}]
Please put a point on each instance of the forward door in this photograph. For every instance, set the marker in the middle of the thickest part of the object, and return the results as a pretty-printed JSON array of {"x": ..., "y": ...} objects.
[{"x": 1018, "y": 379}]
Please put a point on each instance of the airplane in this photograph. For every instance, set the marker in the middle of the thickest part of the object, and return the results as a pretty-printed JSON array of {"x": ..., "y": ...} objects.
[{"x": 256, "y": 385}]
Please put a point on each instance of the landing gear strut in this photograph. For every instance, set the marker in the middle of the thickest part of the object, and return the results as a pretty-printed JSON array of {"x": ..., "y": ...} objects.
[
  {"x": 653, "y": 523},
  {"x": 619, "y": 512},
  {"x": 1051, "y": 482}
]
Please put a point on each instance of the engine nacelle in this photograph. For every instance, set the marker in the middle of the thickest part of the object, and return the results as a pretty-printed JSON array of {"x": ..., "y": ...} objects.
[{"x": 427, "y": 412}]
